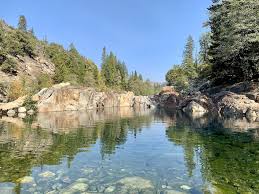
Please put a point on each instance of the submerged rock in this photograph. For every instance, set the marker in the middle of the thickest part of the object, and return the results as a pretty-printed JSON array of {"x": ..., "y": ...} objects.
[
  {"x": 135, "y": 183},
  {"x": 173, "y": 192},
  {"x": 110, "y": 189},
  {"x": 47, "y": 174},
  {"x": 185, "y": 187},
  {"x": 26, "y": 179},
  {"x": 75, "y": 188}
]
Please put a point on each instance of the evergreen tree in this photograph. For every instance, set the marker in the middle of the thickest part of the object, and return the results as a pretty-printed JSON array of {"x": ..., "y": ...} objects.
[
  {"x": 188, "y": 52},
  {"x": 188, "y": 60},
  {"x": 205, "y": 42},
  {"x": 235, "y": 42},
  {"x": 22, "y": 24},
  {"x": 104, "y": 56}
]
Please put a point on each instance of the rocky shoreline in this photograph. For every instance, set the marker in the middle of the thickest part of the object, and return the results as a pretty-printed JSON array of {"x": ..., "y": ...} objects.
[
  {"x": 236, "y": 101},
  {"x": 65, "y": 97}
]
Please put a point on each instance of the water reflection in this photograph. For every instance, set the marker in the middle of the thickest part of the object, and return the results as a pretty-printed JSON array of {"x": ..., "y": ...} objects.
[
  {"x": 228, "y": 152},
  {"x": 170, "y": 149}
]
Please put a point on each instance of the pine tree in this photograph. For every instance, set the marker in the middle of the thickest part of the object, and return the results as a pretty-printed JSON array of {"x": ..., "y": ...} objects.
[
  {"x": 205, "y": 42},
  {"x": 188, "y": 52},
  {"x": 22, "y": 24},
  {"x": 235, "y": 40},
  {"x": 188, "y": 59},
  {"x": 104, "y": 55}
]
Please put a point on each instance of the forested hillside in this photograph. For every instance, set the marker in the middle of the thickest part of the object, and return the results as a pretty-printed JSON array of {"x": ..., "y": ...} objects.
[
  {"x": 20, "y": 47},
  {"x": 229, "y": 52}
]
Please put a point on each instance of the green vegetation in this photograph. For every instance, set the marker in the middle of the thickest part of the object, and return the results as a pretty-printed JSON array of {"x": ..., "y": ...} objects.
[
  {"x": 235, "y": 40},
  {"x": 113, "y": 71},
  {"x": 70, "y": 65},
  {"x": 182, "y": 76},
  {"x": 142, "y": 87},
  {"x": 228, "y": 53},
  {"x": 9, "y": 66},
  {"x": 29, "y": 104},
  {"x": 115, "y": 75},
  {"x": 225, "y": 161}
]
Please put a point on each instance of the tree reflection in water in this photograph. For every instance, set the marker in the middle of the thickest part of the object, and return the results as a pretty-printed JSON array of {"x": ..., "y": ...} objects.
[{"x": 228, "y": 158}]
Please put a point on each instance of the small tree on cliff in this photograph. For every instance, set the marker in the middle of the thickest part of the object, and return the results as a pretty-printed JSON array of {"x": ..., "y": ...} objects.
[{"x": 22, "y": 24}]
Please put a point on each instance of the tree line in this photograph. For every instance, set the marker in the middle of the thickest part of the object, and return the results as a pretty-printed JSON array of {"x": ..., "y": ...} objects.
[
  {"x": 229, "y": 52},
  {"x": 70, "y": 65}
]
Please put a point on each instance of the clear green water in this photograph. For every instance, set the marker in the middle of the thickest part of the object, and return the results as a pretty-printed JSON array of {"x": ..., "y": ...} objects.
[{"x": 127, "y": 151}]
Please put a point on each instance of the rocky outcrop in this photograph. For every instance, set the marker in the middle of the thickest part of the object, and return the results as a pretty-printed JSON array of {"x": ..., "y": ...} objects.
[
  {"x": 166, "y": 100},
  {"x": 238, "y": 100},
  {"x": 232, "y": 104},
  {"x": 64, "y": 97},
  {"x": 12, "y": 105},
  {"x": 143, "y": 102},
  {"x": 26, "y": 67}
]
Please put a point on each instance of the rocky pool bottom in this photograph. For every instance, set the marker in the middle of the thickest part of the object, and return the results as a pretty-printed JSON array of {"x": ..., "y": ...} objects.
[{"x": 128, "y": 151}]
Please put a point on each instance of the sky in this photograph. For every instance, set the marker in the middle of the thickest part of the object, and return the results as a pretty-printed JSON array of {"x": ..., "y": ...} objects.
[{"x": 149, "y": 35}]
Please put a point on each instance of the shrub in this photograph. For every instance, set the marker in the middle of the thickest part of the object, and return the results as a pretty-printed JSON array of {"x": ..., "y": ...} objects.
[
  {"x": 29, "y": 104},
  {"x": 19, "y": 43},
  {"x": 16, "y": 90},
  {"x": 9, "y": 66},
  {"x": 44, "y": 81}
]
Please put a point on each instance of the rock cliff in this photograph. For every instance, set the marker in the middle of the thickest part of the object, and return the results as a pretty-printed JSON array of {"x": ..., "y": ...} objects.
[{"x": 65, "y": 97}]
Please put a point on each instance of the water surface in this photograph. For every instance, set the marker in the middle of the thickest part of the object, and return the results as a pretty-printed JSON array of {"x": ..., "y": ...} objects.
[{"x": 128, "y": 151}]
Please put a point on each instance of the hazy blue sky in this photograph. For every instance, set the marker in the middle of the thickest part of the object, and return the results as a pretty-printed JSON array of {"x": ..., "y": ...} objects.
[{"x": 149, "y": 35}]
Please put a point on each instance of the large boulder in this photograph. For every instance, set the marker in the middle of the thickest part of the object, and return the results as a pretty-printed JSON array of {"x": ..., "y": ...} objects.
[
  {"x": 11, "y": 113},
  {"x": 22, "y": 110},
  {"x": 195, "y": 110},
  {"x": 197, "y": 105},
  {"x": 237, "y": 105},
  {"x": 194, "y": 107}
]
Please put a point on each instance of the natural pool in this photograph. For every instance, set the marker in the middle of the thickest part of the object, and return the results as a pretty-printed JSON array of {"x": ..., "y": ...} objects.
[{"x": 128, "y": 151}]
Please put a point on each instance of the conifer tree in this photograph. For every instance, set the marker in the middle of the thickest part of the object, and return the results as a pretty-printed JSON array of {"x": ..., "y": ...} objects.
[
  {"x": 188, "y": 59},
  {"x": 22, "y": 24},
  {"x": 235, "y": 40},
  {"x": 188, "y": 52},
  {"x": 205, "y": 42}
]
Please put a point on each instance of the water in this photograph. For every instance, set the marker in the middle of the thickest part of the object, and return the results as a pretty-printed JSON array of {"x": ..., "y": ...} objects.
[{"x": 127, "y": 151}]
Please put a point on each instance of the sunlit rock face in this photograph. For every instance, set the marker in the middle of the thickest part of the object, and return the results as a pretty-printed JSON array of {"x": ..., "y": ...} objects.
[
  {"x": 237, "y": 105},
  {"x": 143, "y": 102},
  {"x": 68, "y": 98},
  {"x": 195, "y": 109}
]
